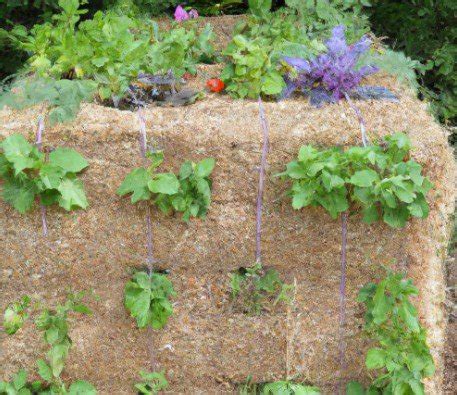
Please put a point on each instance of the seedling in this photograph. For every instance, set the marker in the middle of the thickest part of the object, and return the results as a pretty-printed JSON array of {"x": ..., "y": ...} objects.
[
  {"x": 151, "y": 383},
  {"x": 402, "y": 358},
  {"x": 147, "y": 299},
  {"x": 253, "y": 288},
  {"x": 55, "y": 327},
  {"x": 285, "y": 387},
  {"x": 189, "y": 192},
  {"x": 26, "y": 174}
]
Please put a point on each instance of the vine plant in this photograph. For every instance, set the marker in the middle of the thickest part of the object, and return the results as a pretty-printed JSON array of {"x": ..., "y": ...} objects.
[{"x": 54, "y": 324}]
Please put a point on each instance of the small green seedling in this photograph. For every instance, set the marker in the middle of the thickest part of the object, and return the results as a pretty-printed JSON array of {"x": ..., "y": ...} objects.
[
  {"x": 253, "y": 288},
  {"x": 188, "y": 193},
  {"x": 402, "y": 358},
  {"x": 147, "y": 299},
  {"x": 54, "y": 323},
  {"x": 151, "y": 383},
  {"x": 15, "y": 315},
  {"x": 26, "y": 174},
  {"x": 285, "y": 387}
]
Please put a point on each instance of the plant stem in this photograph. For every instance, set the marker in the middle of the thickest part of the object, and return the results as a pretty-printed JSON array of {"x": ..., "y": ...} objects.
[
  {"x": 342, "y": 323},
  {"x": 150, "y": 258},
  {"x": 263, "y": 163},
  {"x": 38, "y": 143},
  {"x": 360, "y": 119}
]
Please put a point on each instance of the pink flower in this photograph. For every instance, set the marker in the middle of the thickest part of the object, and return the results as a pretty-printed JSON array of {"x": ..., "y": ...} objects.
[
  {"x": 193, "y": 14},
  {"x": 182, "y": 15}
]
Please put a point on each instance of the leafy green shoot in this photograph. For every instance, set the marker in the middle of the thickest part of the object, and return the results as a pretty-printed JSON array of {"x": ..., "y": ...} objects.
[
  {"x": 151, "y": 383},
  {"x": 381, "y": 180},
  {"x": 15, "y": 315},
  {"x": 54, "y": 324},
  {"x": 285, "y": 387},
  {"x": 147, "y": 299},
  {"x": 402, "y": 357},
  {"x": 188, "y": 193},
  {"x": 254, "y": 288},
  {"x": 26, "y": 174}
]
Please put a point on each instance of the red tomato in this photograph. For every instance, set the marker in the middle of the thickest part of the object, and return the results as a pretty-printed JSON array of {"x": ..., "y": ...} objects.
[{"x": 215, "y": 85}]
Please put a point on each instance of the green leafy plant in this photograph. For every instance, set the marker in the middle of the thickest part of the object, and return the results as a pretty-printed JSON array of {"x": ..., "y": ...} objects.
[
  {"x": 189, "y": 192},
  {"x": 55, "y": 326},
  {"x": 381, "y": 180},
  {"x": 26, "y": 175},
  {"x": 15, "y": 315},
  {"x": 147, "y": 298},
  {"x": 252, "y": 288},
  {"x": 110, "y": 49},
  {"x": 260, "y": 41},
  {"x": 63, "y": 97},
  {"x": 285, "y": 387},
  {"x": 402, "y": 359},
  {"x": 151, "y": 383}
]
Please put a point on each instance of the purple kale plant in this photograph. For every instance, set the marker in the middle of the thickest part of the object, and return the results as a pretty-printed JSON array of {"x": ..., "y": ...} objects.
[{"x": 330, "y": 76}]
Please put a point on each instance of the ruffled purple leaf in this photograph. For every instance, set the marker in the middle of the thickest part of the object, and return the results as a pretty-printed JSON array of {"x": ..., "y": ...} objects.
[
  {"x": 299, "y": 64},
  {"x": 319, "y": 96}
]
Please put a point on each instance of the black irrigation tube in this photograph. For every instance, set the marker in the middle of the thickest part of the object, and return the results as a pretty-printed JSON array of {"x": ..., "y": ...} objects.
[
  {"x": 342, "y": 290},
  {"x": 263, "y": 164},
  {"x": 38, "y": 143},
  {"x": 150, "y": 257}
]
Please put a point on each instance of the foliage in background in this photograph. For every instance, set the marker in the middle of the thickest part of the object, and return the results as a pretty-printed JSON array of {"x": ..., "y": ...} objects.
[
  {"x": 427, "y": 32},
  {"x": 402, "y": 359},
  {"x": 151, "y": 383},
  {"x": 253, "y": 288},
  {"x": 147, "y": 299},
  {"x": 260, "y": 41},
  {"x": 26, "y": 175},
  {"x": 188, "y": 193},
  {"x": 54, "y": 325},
  {"x": 381, "y": 180}
]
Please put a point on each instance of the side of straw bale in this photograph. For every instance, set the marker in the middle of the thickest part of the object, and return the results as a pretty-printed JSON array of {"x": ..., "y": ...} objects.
[{"x": 207, "y": 346}]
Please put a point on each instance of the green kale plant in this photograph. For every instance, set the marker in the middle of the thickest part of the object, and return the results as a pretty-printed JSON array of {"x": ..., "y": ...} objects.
[
  {"x": 26, "y": 174},
  {"x": 402, "y": 358},
  {"x": 151, "y": 383},
  {"x": 253, "y": 288},
  {"x": 147, "y": 299},
  {"x": 188, "y": 193},
  {"x": 381, "y": 180},
  {"x": 55, "y": 327},
  {"x": 15, "y": 315}
]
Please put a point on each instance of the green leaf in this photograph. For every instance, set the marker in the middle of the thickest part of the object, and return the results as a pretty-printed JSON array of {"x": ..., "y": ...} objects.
[
  {"x": 396, "y": 218},
  {"x": 165, "y": 183},
  {"x": 44, "y": 370},
  {"x": 205, "y": 167},
  {"x": 20, "y": 193},
  {"x": 136, "y": 182},
  {"x": 68, "y": 159},
  {"x": 375, "y": 358},
  {"x": 19, "y": 152},
  {"x": 72, "y": 195},
  {"x": 82, "y": 387},
  {"x": 364, "y": 178},
  {"x": 370, "y": 214},
  {"x": 354, "y": 388},
  {"x": 273, "y": 84},
  {"x": 20, "y": 379},
  {"x": 51, "y": 176}
]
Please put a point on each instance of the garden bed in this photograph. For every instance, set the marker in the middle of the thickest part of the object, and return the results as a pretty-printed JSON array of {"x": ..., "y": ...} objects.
[{"x": 206, "y": 346}]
